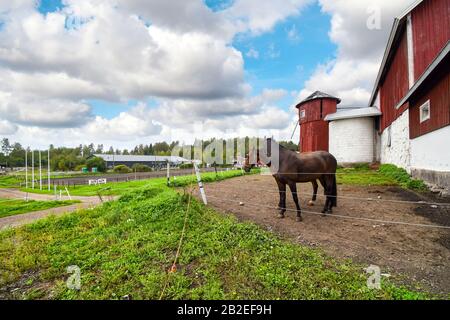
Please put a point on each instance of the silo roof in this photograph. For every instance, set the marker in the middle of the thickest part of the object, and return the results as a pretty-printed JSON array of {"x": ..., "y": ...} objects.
[{"x": 318, "y": 95}]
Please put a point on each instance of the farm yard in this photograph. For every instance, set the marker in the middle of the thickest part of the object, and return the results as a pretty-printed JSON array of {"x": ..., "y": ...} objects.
[
  {"x": 393, "y": 247},
  {"x": 205, "y": 151},
  {"x": 125, "y": 248}
]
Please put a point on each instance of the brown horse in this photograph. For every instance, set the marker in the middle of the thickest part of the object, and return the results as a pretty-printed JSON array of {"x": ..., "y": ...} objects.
[{"x": 295, "y": 167}]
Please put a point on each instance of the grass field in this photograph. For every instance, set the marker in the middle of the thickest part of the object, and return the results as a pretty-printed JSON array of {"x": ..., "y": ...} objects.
[
  {"x": 10, "y": 207},
  {"x": 364, "y": 177},
  {"x": 13, "y": 180},
  {"x": 126, "y": 247},
  {"x": 118, "y": 188}
]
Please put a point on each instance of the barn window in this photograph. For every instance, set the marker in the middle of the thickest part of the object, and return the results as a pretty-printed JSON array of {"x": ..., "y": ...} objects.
[
  {"x": 425, "y": 111},
  {"x": 302, "y": 114}
]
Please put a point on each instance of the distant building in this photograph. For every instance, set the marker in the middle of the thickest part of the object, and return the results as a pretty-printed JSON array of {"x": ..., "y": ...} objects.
[{"x": 151, "y": 161}]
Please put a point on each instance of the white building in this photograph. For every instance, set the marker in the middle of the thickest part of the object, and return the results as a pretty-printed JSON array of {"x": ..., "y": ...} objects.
[{"x": 352, "y": 135}]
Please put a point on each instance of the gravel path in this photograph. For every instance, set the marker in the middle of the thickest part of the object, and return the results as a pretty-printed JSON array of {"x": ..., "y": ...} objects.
[{"x": 25, "y": 218}]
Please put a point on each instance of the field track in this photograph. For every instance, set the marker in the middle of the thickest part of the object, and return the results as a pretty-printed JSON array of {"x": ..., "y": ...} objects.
[
  {"x": 421, "y": 253},
  {"x": 25, "y": 218}
]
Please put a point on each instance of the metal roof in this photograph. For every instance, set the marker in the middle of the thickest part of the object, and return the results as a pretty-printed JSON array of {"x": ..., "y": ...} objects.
[
  {"x": 134, "y": 158},
  {"x": 318, "y": 95},
  {"x": 399, "y": 22},
  {"x": 353, "y": 113}
]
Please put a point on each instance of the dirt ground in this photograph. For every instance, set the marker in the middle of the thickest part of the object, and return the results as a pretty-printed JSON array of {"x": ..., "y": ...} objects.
[{"x": 408, "y": 254}]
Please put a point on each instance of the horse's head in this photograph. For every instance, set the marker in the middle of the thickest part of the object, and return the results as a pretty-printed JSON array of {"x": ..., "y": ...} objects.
[{"x": 250, "y": 160}]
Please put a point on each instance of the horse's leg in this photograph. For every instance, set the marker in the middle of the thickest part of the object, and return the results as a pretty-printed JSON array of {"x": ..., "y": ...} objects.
[
  {"x": 330, "y": 180},
  {"x": 323, "y": 182},
  {"x": 282, "y": 203},
  {"x": 293, "y": 187},
  {"x": 315, "y": 187}
]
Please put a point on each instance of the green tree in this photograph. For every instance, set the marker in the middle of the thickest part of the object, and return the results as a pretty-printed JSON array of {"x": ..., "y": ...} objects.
[{"x": 96, "y": 162}]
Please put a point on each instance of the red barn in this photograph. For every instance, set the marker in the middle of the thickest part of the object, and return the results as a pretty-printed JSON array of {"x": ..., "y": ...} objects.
[
  {"x": 412, "y": 91},
  {"x": 313, "y": 128}
]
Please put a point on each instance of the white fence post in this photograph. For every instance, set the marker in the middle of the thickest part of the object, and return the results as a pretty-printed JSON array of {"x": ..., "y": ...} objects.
[
  {"x": 168, "y": 174},
  {"x": 67, "y": 190},
  {"x": 200, "y": 184}
]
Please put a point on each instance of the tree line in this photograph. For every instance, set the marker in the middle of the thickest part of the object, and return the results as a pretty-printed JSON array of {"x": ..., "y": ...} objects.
[{"x": 12, "y": 155}]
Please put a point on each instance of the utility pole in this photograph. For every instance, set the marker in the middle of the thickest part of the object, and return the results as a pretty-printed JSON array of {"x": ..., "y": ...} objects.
[
  {"x": 32, "y": 169},
  {"x": 48, "y": 168},
  {"x": 40, "y": 171},
  {"x": 26, "y": 169}
]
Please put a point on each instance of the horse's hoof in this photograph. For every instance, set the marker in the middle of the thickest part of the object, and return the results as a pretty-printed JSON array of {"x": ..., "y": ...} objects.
[
  {"x": 299, "y": 219},
  {"x": 310, "y": 203}
]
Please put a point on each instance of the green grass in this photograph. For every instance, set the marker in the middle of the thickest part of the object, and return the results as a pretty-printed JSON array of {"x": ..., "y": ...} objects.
[
  {"x": 9, "y": 181},
  {"x": 364, "y": 176},
  {"x": 15, "y": 179},
  {"x": 125, "y": 247},
  {"x": 118, "y": 188},
  {"x": 10, "y": 207},
  {"x": 402, "y": 177}
]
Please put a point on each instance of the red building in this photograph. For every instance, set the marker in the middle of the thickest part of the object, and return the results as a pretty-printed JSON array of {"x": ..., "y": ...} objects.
[
  {"x": 313, "y": 128},
  {"x": 412, "y": 91}
]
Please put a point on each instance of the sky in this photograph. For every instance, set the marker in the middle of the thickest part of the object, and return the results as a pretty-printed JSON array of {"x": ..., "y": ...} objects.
[{"x": 126, "y": 72}]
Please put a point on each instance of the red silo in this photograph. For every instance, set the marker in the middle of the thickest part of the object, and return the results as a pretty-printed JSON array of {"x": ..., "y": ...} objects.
[{"x": 313, "y": 129}]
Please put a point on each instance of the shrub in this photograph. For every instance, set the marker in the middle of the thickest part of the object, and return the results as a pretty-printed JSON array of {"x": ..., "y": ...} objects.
[
  {"x": 140, "y": 168},
  {"x": 186, "y": 166},
  {"x": 361, "y": 166},
  {"x": 80, "y": 167},
  {"x": 99, "y": 163},
  {"x": 121, "y": 168},
  {"x": 402, "y": 177}
]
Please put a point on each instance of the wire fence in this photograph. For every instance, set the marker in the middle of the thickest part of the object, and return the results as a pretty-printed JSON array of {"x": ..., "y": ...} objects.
[
  {"x": 239, "y": 202},
  {"x": 420, "y": 202}
]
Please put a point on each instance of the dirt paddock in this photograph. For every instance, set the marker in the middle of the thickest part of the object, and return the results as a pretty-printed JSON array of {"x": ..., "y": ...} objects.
[{"x": 410, "y": 254}]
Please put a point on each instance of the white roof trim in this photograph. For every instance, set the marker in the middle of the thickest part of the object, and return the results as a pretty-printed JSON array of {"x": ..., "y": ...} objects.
[
  {"x": 444, "y": 52},
  {"x": 354, "y": 113},
  {"x": 387, "y": 51}
]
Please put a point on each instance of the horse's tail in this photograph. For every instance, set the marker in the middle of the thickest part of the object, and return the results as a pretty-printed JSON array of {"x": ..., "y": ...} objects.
[{"x": 334, "y": 191}]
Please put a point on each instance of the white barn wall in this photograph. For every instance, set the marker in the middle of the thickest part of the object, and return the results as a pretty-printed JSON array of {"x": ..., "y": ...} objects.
[
  {"x": 432, "y": 150},
  {"x": 398, "y": 152},
  {"x": 352, "y": 140}
]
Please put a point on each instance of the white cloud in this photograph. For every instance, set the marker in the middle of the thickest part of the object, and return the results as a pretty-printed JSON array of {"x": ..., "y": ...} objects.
[
  {"x": 175, "y": 52},
  {"x": 26, "y": 110},
  {"x": 258, "y": 16},
  {"x": 127, "y": 125},
  {"x": 7, "y": 128},
  {"x": 114, "y": 51},
  {"x": 352, "y": 74}
]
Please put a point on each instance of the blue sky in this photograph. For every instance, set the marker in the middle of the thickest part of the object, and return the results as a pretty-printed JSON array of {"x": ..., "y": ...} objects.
[
  {"x": 183, "y": 70},
  {"x": 283, "y": 62}
]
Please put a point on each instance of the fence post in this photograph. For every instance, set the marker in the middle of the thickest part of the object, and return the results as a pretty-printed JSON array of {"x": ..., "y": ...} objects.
[
  {"x": 200, "y": 184},
  {"x": 168, "y": 174}
]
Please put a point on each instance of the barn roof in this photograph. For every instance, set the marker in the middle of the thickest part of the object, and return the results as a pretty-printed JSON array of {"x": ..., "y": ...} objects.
[
  {"x": 396, "y": 31},
  {"x": 137, "y": 159},
  {"x": 353, "y": 113},
  {"x": 318, "y": 95}
]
